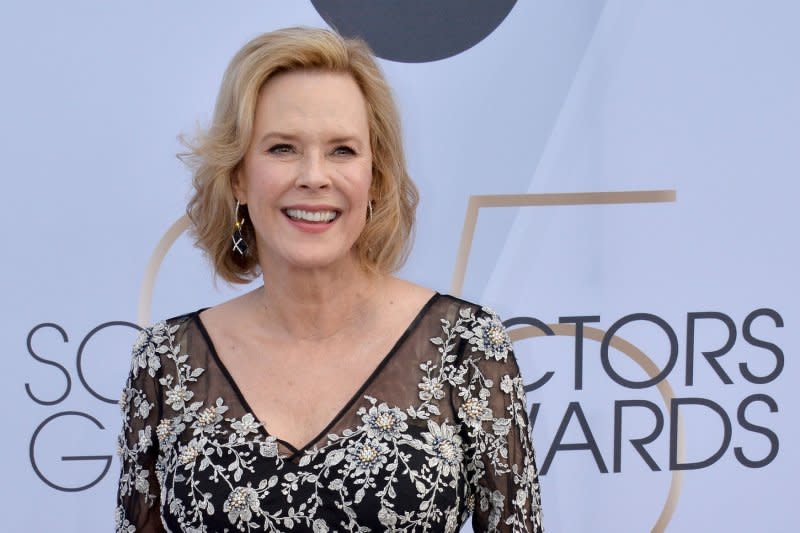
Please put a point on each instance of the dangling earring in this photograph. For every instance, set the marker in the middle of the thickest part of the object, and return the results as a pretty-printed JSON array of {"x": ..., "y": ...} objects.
[
  {"x": 369, "y": 210},
  {"x": 239, "y": 244}
]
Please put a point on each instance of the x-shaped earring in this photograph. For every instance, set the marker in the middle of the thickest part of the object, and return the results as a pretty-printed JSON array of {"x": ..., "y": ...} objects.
[{"x": 239, "y": 244}]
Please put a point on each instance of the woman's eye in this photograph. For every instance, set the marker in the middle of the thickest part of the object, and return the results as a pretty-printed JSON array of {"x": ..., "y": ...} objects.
[
  {"x": 343, "y": 150},
  {"x": 281, "y": 149}
]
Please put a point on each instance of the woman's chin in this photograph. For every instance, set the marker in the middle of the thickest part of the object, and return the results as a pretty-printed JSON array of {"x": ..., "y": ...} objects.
[{"x": 316, "y": 261}]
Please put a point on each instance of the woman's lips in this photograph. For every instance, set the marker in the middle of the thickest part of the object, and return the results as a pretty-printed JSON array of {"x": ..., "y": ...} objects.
[
  {"x": 311, "y": 220},
  {"x": 311, "y": 215}
]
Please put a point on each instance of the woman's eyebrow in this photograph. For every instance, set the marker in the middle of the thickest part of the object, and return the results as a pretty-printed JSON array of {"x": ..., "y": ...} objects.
[
  {"x": 278, "y": 135},
  {"x": 345, "y": 139}
]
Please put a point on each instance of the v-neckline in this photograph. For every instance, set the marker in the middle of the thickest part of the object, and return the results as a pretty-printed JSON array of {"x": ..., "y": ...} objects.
[{"x": 353, "y": 399}]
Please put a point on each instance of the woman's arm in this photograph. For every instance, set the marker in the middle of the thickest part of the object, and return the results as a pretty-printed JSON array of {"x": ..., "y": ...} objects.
[
  {"x": 493, "y": 405},
  {"x": 138, "y": 498}
]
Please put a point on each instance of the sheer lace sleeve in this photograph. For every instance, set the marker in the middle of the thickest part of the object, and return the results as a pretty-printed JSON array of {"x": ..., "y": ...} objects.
[
  {"x": 491, "y": 401},
  {"x": 138, "y": 494}
]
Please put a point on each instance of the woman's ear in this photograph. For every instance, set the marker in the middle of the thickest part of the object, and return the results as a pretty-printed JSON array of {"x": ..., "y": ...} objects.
[{"x": 238, "y": 185}]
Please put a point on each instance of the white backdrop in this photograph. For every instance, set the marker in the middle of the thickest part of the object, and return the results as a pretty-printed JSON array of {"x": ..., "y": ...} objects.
[{"x": 586, "y": 96}]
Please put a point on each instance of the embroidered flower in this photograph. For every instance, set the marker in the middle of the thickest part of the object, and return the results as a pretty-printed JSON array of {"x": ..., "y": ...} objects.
[
  {"x": 246, "y": 425},
  {"x": 163, "y": 429},
  {"x": 241, "y": 503},
  {"x": 145, "y": 353},
  {"x": 143, "y": 410},
  {"x": 491, "y": 338},
  {"x": 444, "y": 447},
  {"x": 188, "y": 454},
  {"x": 431, "y": 388},
  {"x": 367, "y": 456},
  {"x": 207, "y": 419},
  {"x": 178, "y": 396},
  {"x": 166, "y": 431},
  {"x": 474, "y": 411},
  {"x": 385, "y": 422}
]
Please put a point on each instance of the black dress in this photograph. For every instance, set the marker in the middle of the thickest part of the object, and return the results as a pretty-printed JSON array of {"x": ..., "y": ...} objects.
[{"x": 438, "y": 432}]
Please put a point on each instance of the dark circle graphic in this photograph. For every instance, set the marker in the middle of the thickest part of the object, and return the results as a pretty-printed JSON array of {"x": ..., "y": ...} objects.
[{"x": 415, "y": 31}]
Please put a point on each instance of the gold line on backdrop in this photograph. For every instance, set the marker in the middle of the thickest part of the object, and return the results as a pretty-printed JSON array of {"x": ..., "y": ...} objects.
[
  {"x": 534, "y": 200},
  {"x": 637, "y": 355},
  {"x": 157, "y": 257}
]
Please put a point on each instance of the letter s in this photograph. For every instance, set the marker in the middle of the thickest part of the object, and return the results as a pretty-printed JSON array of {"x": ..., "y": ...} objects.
[
  {"x": 760, "y": 343},
  {"x": 774, "y": 444},
  {"x": 48, "y": 362}
]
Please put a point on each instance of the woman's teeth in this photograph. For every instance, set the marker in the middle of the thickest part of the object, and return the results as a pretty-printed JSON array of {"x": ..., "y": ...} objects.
[{"x": 311, "y": 216}]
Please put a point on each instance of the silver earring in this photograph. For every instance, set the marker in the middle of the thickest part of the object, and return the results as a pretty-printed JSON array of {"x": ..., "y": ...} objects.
[
  {"x": 369, "y": 210},
  {"x": 239, "y": 244}
]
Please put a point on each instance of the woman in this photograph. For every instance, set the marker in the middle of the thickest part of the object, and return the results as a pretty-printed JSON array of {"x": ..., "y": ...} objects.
[{"x": 336, "y": 397}]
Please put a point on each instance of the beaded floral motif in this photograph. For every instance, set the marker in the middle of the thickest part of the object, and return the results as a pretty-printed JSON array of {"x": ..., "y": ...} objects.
[
  {"x": 385, "y": 422},
  {"x": 444, "y": 448},
  {"x": 411, "y": 467},
  {"x": 489, "y": 336}
]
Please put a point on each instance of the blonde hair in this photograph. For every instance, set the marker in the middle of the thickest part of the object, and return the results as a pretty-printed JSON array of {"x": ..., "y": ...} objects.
[{"x": 216, "y": 154}]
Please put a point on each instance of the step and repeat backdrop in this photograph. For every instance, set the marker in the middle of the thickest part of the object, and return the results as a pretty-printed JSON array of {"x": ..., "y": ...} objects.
[{"x": 619, "y": 180}]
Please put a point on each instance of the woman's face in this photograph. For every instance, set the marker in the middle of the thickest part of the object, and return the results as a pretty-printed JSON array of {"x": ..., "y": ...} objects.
[{"x": 306, "y": 176}]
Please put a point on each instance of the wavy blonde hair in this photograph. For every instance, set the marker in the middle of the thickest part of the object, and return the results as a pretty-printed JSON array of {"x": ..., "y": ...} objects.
[{"x": 216, "y": 154}]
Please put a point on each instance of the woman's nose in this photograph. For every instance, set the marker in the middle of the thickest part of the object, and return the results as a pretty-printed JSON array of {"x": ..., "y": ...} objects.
[{"x": 313, "y": 172}]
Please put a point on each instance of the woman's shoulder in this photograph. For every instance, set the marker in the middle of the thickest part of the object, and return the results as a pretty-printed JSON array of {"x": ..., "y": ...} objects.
[
  {"x": 441, "y": 305},
  {"x": 170, "y": 327},
  {"x": 161, "y": 337},
  {"x": 477, "y": 325},
  {"x": 464, "y": 309},
  {"x": 420, "y": 293}
]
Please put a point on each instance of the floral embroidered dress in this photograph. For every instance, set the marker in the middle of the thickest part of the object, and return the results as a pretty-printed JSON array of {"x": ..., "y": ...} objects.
[{"x": 438, "y": 433}]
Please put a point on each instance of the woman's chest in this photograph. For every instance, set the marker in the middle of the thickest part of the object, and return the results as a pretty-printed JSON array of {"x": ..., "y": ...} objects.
[
  {"x": 296, "y": 390},
  {"x": 295, "y": 398}
]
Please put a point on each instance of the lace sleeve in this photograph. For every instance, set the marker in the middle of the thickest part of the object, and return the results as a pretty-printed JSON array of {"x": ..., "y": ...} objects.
[
  {"x": 138, "y": 499},
  {"x": 493, "y": 406}
]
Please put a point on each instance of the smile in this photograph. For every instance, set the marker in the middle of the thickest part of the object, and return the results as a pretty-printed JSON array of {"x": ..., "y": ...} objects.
[{"x": 311, "y": 216}]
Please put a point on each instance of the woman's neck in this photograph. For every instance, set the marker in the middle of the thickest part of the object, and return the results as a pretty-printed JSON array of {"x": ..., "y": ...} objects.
[{"x": 317, "y": 305}]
